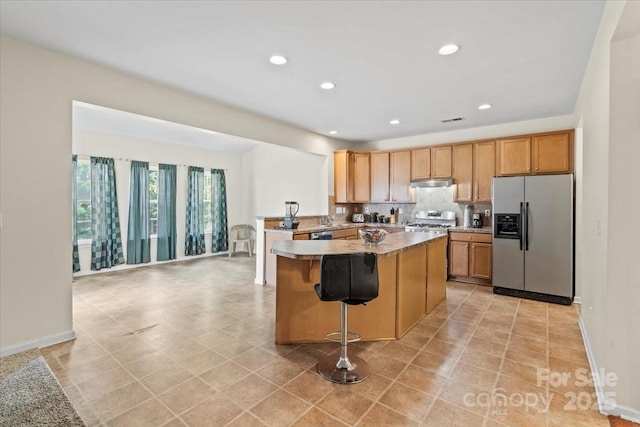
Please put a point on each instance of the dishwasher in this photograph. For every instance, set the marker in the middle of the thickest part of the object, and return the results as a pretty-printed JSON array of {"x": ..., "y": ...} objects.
[{"x": 321, "y": 235}]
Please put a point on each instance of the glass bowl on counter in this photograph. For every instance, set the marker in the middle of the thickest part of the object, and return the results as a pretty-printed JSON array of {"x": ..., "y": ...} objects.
[{"x": 372, "y": 236}]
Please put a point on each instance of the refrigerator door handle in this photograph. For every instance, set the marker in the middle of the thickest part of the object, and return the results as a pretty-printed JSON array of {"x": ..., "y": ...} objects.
[
  {"x": 521, "y": 225},
  {"x": 526, "y": 227}
]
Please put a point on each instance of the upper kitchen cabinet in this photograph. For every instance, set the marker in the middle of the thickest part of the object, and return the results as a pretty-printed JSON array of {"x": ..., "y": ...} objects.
[
  {"x": 420, "y": 164},
  {"x": 380, "y": 177},
  {"x": 400, "y": 176},
  {"x": 537, "y": 154},
  {"x": 513, "y": 156},
  {"x": 441, "y": 161},
  {"x": 484, "y": 162},
  {"x": 390, "y": 176},
  {"x": 351, "y": 177},
  {"x": 463, "y": 172},
  {"x": 553, "y": 153}
]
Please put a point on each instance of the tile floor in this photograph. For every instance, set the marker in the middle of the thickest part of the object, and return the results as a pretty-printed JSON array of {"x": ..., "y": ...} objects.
[{"x": 192, "y": 344}]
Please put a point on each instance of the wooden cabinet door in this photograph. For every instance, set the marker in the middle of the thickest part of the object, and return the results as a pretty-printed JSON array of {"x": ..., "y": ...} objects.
[
  {"x": 421, "y": 164},
  {"x": 400, "y": 171},
  {"x": 552, "y": 153},
  {"x": 513, "y": 156},
  {"x": 380, "y": 177},
  {"x": 361, "y": 177},
  {"x": 463, "y": 172},
  {"x": 484, "y": 160},
  {"x": 341, "y": 176},
  {"x": 480, "y": 263},
  {"x": 459, "y": 258},
  {"x": 441, "y": 162}
]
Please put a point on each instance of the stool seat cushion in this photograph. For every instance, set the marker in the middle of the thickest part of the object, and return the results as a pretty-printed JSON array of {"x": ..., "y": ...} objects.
[{"x": 350, "y": 278}]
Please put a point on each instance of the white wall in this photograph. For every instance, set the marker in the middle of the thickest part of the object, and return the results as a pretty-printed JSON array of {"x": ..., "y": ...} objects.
[
  {"x": 505, "y": 129},
  {"x": 124, "y": 149},
  {"x": 38, "y": 87},
  {"x": 272, "y": 175},
  {"x": 606, "y": 116}
]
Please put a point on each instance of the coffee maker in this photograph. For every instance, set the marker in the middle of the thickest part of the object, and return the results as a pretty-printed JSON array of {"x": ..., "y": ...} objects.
[
  {"x": 290, "y": 210},
  {"x": 476, "y": 220}
]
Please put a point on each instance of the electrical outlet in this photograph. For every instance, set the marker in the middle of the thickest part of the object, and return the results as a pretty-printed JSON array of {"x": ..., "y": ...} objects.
[
  {"x": 399, "y": 211},
  {"x": 487, "y": 212},
  {"x": 366, "y": 209}
]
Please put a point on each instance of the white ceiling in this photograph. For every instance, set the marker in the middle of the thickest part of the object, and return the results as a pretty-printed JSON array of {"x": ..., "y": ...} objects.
[{"x": 527, "y": 58}]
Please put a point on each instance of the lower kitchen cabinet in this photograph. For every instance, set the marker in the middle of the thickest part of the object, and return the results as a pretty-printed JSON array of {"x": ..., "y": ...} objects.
[{"x": 470, "y": 257}]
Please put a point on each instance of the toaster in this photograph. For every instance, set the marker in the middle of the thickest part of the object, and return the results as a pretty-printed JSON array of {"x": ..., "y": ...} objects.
[{"x": 357, "y": 218}]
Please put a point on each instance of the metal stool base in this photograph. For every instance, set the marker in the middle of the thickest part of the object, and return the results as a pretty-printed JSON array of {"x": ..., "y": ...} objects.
[{"x": 328, "y": 368}]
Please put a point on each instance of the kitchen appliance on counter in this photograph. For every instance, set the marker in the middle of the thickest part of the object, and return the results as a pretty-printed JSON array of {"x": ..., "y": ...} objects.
[
  {"x": 476, "y": 220},
  {"x": 357, "y": 217},
  {"x": 434, "y": 221},
  {"x": 321, "y": 235},
  {"x": 533, "y": 237},
  {"x": 468, "y": 213},
  {"x": 291, "y": 209}
]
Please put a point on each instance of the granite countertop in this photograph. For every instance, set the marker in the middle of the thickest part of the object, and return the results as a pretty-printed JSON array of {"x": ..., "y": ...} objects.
[
  {"x": 337, "y": 226},
  {"x": 314, "y": 249},
  {"x": 485, "y": 230}
]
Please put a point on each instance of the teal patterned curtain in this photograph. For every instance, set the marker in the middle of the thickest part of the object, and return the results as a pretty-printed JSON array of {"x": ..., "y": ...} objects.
[
  {"x": 220, "y": 232},
  {"x": 194, "y": 235},
  {"x": 74, "y": 214},
  {"x": 106, "y": 241},
  {"x": 167, "y": 234},
  {"x": 138, "y": 234}
]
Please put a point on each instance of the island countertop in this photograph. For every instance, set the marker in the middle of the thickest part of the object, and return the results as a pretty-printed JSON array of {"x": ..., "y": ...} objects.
[{"x": 314, "y": 249}]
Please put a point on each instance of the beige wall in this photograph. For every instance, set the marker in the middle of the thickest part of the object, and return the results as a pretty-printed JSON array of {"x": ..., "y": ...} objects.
[
  {"x": 38, "y": 87},
  {"x": 606, "y": 116}
]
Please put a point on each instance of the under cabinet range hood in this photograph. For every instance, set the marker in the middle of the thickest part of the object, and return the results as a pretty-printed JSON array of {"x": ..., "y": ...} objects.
[{"x": 431, "y": 183}]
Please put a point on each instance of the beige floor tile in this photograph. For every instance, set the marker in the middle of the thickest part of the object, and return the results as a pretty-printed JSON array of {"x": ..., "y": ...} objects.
[
  {"x": 472, "y": 375},
  {"x": 119, "y": 401},
  {"x": 166, "y": 379},
  {"x": 280, "y": 409},
  {"x": 316, "y": 417},
  {"x": 345, "y": 405},
  {"x": 386, "y": 366},
  {"x": 437, "y": 363},
  {"x": 481, "y": 360},
  {"x": 224, "y": 374},
  {"x": 407, "y": 401},
  {"x": 202, "y": 362},
  {"x": 255, "y": 358},
  {"x": 249, "y": 391},
  {"x": 531, "y": 358},
  {"x": 398, "y": 351},
  {"x": 280, "y": 371},
  {"x": 149, "y": 364},
  {"x": 217, "y": 410},
  {"x": 104, "y": 383},
  {"x": 186, "y": 395},
  {"x": 246, "y": 420},
  {"x": 443, "y": 413},
  {"x": 372, "y": 388},
  {"x": 310, "y": 386},
  {"x": 485, "y": 346},
  {"x": 150, "y": 413},
  {"x": 465, "y": 396},
  {"x": 422, "y": 379},
  {"x": 380, "y": 415}
]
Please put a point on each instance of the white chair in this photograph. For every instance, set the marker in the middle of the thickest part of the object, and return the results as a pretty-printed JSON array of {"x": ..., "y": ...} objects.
[{"x": 242, "y": 233}]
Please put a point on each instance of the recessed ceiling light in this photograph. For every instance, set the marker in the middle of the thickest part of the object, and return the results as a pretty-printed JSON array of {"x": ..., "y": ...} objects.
[
  {"x": 484, "y": 106},
  {"x": 327, "y": 85},
  {"x": 278, "y": 60},
  {"x": 333, "y": 132},
  {"x": 394, "y": 122},
  {"x": 448, "y": 49}
]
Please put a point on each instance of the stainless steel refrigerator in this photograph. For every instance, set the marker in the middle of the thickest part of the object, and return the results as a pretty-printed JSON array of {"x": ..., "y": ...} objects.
[{"x": 533, "y": 237}]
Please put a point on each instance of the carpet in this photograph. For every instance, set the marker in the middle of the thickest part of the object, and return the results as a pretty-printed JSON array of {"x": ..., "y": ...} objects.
[{"x": 30, "y": 394}]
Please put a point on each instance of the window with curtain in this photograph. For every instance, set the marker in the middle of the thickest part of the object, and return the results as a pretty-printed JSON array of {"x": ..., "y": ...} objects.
[
  {"x": 153, "y": 200},
  {"x": 194, "y": 229},
  {"x": 167, "y": 233},
  {"x": 220, "y": 231},
  {"x": 83, "y": 199},
  {"x": 106, "y": 241},
  {"x": 138, "y": 234},
  {"x": 207, "y": 202},
  {"x": 74, "y": 214}
]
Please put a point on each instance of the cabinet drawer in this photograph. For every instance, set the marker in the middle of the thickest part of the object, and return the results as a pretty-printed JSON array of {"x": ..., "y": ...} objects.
[
  {"x": 345, "y": 234},
  {"x": 470, "y": 237},
  {"x": 303, "y": 236}
]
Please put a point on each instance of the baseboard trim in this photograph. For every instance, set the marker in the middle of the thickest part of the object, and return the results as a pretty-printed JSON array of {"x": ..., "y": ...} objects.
[
  {"x": 39, "y": 343},
  {"x": 577, "y": 300},
  {"x": 605, "y": 406}
]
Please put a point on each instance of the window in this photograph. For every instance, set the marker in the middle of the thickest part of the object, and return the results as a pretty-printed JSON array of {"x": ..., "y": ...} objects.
[
  {"x": 153, "y": 200},
  {"x": 207, "y": 202},
  {"x": 83, "y": 201}
]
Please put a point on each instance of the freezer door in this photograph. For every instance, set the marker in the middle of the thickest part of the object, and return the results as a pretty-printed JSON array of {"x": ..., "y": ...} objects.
[
  {"x": 508, "y": 258},
  {"x": 549, "y": 258}
]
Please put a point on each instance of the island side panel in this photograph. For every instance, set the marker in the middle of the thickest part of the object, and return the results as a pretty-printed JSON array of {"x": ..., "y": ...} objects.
[
  {"x": 302, "y": 317},
  {"x": 412, "y": 283},
  {"x": 436, "y": 273}
]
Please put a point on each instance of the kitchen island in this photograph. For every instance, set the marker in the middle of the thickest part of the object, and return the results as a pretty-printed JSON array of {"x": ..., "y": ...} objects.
[{"x": 412, "y": 279}]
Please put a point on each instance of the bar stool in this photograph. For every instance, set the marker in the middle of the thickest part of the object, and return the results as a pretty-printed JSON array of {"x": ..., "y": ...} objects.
[{"x": 351, "y": 279}]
